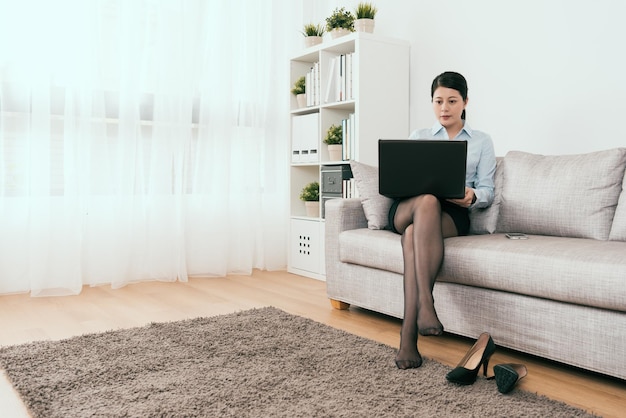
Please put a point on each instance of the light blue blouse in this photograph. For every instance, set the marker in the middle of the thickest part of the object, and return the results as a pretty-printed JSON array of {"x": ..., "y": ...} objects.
[{"x": 481, "y": 159}]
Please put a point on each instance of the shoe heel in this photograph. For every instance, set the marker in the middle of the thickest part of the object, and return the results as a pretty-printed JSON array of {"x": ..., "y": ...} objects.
[{"x": 486, "y": 365}]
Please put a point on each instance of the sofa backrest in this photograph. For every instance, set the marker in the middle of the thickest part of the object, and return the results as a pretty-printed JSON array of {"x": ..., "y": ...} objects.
[
  {"x": 571, "y": 195},
  {"x": 618, "y": 228},
  {"x": 567, "y": 195}
]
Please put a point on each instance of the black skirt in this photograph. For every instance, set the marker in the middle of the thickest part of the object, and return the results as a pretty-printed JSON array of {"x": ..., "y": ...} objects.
[{"x": 459, "y": 215}]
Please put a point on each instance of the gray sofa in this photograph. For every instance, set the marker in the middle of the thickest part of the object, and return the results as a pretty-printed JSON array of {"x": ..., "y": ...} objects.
[{"x": 561, "y": 294}]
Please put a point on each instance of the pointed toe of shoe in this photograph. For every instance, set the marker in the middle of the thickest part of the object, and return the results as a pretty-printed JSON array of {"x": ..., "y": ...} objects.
[{"x": 461, "y": 376}]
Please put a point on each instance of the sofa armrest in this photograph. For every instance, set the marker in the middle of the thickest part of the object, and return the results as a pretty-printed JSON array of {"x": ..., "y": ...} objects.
[
  {"x": 341, "y": 215},
  {"x": 344, "y": 214}
]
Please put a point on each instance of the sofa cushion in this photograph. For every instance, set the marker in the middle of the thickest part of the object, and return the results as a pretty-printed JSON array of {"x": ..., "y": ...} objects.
[
  {"x": 564, "y": 196},
  {"x": 582, "y": 271},
  {"x": 618, "y": 228},
  {"x": 375, "y": 205},
  {"x": 572, "y": 270},
  {"x": 378, "y": 249}
]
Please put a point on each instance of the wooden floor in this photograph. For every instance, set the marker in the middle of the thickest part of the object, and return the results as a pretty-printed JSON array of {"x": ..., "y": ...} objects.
[{"x": 96, "y": 309}]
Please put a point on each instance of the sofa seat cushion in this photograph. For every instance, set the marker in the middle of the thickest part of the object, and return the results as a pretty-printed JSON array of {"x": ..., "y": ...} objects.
[
  {"x": 582, "y": 271},
  {"x": 379, "y": 249}
]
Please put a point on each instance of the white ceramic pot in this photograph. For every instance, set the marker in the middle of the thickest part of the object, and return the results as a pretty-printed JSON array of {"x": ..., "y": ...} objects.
[
  {"x": 312, "y": 41},
  {"x": 337, "y": 32},
  {"x": 312, "y": 209},
  {"x": 335, "y": 152},
  {"x": 301, "y": 99},
  {"x": 364, "y": 25}
]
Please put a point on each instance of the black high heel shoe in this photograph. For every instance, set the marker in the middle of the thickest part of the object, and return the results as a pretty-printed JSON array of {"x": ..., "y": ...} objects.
[
  {"x": 507, "y": 375},
  {"x": 466, "y": 371}
]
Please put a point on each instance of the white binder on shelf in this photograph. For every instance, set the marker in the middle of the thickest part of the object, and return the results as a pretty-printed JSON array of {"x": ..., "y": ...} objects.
[
  {"x": 348, "y": 77},
  {"x": 295, "y": 141},
  {"x": 330, "y": 82},
  {"x": 312, "y": 85},
  {"x": 305, "y": 135}
]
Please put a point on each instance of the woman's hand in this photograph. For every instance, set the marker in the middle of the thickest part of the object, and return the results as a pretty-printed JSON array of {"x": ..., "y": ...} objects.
[{"x": 466, "y": 202}]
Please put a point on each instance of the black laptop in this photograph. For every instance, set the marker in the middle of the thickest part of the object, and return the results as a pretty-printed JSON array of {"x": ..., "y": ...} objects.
[{"x": 411, "y": 167}]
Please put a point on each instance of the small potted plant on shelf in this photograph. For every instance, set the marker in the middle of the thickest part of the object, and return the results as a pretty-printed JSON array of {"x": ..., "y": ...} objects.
[
  {"x": 334, "y": 140},
  {"x": 340, "y": 22},
  {"x": 310, "y": 195},
  {"x": 313, "y": 34},
  {"x": 365, "y": 13},
  {"x": 299, "y": 90}
]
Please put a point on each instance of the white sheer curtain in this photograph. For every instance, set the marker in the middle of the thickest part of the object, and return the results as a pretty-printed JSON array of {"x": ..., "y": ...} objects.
[{"x": 142, "y": 140}]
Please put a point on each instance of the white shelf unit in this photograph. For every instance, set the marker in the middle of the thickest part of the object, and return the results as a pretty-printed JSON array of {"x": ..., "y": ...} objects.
[{"x": 380, "y": 104}]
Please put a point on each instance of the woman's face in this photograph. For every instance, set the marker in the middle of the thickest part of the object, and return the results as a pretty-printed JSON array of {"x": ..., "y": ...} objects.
[{"x": 448, "y": 106}]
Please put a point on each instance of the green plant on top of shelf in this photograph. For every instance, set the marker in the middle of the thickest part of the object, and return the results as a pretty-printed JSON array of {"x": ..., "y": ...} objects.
[
  {"x": 365, "y": 11},
  {"x": 310, "y": 192},
  {"x": 334, "y": 135},
  {"x": 340, "y": 18},
  {"x": 299, "y": 86},
  {"x": 311, "y": 29}
]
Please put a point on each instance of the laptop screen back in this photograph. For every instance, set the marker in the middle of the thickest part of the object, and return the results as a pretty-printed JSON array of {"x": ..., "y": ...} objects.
[{"x": 411, "y": 167}]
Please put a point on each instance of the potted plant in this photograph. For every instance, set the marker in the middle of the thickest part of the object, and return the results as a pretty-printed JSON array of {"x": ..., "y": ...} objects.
[
  {"x": 299, "y": 90},
  {"x": 340, "y": 22},
  {"x": 310, "y": 195},
  {"x": 334, "y": 140},
  {"x": 312, "y": 34},
  {"x": 365, "y": 13}
]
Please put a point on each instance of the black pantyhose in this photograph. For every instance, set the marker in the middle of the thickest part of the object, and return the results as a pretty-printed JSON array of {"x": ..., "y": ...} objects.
[{"x": 423, "y": 227}]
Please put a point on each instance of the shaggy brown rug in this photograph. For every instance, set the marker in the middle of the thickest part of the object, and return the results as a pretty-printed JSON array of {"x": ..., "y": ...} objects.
[{"x": 261, "y": 363}]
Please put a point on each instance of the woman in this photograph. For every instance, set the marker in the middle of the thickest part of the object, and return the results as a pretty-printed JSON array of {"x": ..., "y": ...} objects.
[{"x": 425, "y": 220}]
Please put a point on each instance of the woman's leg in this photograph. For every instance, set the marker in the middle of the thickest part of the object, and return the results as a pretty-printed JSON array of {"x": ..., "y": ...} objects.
[
  {"x": 408, "y": 356},
  {"x": 423, "y": 227}
]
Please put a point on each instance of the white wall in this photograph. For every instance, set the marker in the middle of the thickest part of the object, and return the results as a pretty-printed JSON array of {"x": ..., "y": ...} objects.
[{"x": 544, "y": 76}]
